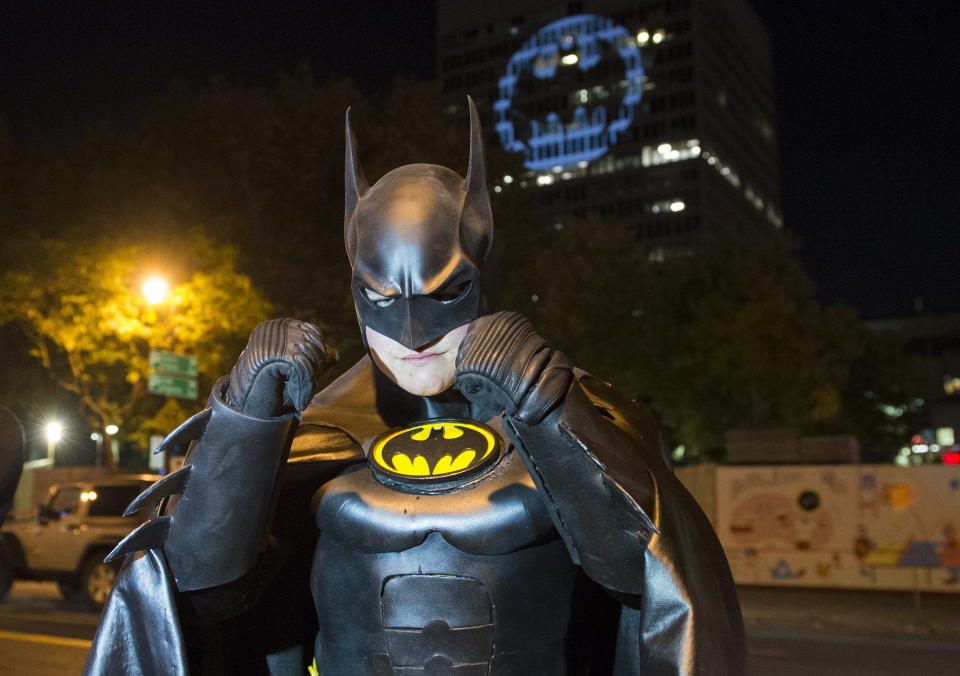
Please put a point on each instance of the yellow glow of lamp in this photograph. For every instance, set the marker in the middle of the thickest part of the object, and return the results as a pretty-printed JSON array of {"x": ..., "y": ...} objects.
[{"x": 155, "y": 290}]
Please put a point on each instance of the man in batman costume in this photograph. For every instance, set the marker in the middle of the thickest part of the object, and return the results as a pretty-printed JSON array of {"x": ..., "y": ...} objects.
[{"x": 460, "y": 502}]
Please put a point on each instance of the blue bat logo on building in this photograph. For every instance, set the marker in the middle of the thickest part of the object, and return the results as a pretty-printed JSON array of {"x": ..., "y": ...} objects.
[{"x": 586, "y": 62}]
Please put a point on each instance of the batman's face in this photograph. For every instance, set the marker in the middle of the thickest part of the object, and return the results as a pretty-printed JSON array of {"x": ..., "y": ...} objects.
[
  {"x": 417, "y": 240},
  {"x": 424, "y": 372}
]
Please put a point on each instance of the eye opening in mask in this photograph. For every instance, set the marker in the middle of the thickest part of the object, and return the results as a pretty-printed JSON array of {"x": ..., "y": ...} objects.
[
  {"x": 452, "y": 293},
  {"x": 378, "y": 299}
]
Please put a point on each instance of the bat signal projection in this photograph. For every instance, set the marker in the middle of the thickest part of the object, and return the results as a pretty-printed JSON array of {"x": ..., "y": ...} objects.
[
  {"x": 586, "y": 60},
  {"x": 435, "y": 451}
]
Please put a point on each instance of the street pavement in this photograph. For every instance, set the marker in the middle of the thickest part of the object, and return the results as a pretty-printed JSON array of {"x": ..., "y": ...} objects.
[
  {"x": 790, "y": 632},
  {"x": 935, "y": 617},
  {"x": 828, "y": 632}
]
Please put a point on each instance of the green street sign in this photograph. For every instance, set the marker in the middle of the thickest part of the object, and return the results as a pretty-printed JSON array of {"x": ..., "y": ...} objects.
[
  {"x": 172, "y": 386},
  {"x": 174, "y": 364}
]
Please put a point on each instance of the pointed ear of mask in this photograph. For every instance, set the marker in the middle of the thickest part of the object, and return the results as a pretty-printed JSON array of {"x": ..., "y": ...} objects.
[
  {"x": 476, "y": 227},
  {"x": 355, "y": 182}
]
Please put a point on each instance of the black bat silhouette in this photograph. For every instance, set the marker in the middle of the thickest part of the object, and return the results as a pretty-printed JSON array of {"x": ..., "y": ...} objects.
[{"x": 435, "y": 449}]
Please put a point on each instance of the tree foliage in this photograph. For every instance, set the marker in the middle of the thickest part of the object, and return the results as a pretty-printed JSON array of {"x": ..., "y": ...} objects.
[
  {"x": 734, "y": 337},
  {"x": 725, "y": 338},
  {"x": 80, "y": 305}
]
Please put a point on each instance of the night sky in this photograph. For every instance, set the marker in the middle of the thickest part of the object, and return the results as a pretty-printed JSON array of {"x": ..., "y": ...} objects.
[{"x": 867, "y": 124}]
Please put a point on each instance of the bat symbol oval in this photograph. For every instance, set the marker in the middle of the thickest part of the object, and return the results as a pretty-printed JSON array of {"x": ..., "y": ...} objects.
[{"x": 435, "y": 450}]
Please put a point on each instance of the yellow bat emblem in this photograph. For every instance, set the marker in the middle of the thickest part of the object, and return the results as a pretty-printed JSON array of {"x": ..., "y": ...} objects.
[{"x": 435, "y": 449}]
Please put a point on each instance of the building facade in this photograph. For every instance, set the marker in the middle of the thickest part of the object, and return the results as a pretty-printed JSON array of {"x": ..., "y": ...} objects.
[{"x": 657, "y": 113}]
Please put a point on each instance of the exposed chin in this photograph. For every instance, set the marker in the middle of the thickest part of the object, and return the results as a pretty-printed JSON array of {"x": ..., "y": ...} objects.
[{"x": 425, "y": 388}]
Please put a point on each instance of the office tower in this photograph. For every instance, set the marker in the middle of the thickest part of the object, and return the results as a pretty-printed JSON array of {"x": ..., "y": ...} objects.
[{"x": 652, "y": 112}]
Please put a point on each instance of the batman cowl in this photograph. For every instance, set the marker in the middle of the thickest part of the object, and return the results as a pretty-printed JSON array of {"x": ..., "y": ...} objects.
[{"x": 417, "y": 241}]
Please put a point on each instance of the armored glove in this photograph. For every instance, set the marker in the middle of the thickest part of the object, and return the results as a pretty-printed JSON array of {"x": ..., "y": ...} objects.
[
  {"x": 275, "y": 374},
  {"x": 504, "y": 366},
  {"x": 216, "y": 530}
]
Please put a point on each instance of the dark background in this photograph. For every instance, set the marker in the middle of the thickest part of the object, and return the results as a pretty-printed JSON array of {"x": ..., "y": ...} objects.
[{"x": 864, "y": 95}]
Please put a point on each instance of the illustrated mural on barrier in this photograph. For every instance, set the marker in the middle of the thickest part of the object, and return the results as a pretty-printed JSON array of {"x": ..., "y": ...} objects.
[{"x": 842, "y": 526}]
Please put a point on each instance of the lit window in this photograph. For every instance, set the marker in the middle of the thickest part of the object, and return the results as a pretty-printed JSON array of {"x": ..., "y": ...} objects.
[
  {"x": 951, "y": 385},
  {"x": 658, "y": 37},
  {"x": 546, "y": 179},
  {"x": 664, "y": 148},
  {"x": 677, "y": 206},
  {"x": 569, "y": 59},
  {"x": 497, "y": 188},
  {"x": 508, "y": 179},
  {"x": 643, "y": 37}
]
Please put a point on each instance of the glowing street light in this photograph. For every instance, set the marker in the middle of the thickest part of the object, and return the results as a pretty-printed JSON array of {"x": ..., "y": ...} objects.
[
  {"x": 155, "y": 289},
  {"x": 53, "y": 430},
  {"x": 111, "y": 429}
]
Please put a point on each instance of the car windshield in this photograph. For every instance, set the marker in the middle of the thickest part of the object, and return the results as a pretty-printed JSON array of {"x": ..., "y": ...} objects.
[{"x": 112, "y": 500}]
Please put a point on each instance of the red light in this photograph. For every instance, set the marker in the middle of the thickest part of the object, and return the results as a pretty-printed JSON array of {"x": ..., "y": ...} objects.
[{"x": 951, "y": 458}]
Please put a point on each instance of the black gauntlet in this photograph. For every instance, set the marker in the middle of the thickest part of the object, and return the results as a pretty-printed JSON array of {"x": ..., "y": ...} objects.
[
  {"x": 217, "y": 528},
  {"x": 567, "y": 445},
  {"x": 504, "y": 366},
  {"x": 275, "y": 374}
]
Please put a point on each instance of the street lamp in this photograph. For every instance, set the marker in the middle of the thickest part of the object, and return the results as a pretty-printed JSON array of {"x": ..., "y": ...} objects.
[
  {"x": 54, "y": 433},
  {"x": 155, "y": 289}
]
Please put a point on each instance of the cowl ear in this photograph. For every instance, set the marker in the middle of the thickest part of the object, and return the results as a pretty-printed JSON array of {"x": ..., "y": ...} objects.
[
  {"x": 355, "y": 184},
  {"x": 476, "y": 225}
]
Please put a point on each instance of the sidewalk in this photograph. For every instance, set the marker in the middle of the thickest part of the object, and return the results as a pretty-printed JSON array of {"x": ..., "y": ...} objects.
[{"x": 927, "y": 616}]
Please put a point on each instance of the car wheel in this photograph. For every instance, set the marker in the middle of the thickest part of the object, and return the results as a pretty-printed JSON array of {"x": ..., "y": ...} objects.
[
  {"x": 6, "y": 579},
  {"x": 96, "y": 580}
]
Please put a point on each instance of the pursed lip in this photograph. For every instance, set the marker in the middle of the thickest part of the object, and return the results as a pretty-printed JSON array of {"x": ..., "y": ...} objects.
[{"x": 421, "y": 358}]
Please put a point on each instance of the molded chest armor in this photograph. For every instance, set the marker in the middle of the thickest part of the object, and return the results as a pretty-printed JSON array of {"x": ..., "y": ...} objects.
[{"x": 460, "y": 578}]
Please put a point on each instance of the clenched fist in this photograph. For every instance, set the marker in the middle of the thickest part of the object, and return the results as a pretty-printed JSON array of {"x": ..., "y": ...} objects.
[
  {"x": 277, "y": 371},
  {"x": 504, "y": 366}
]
